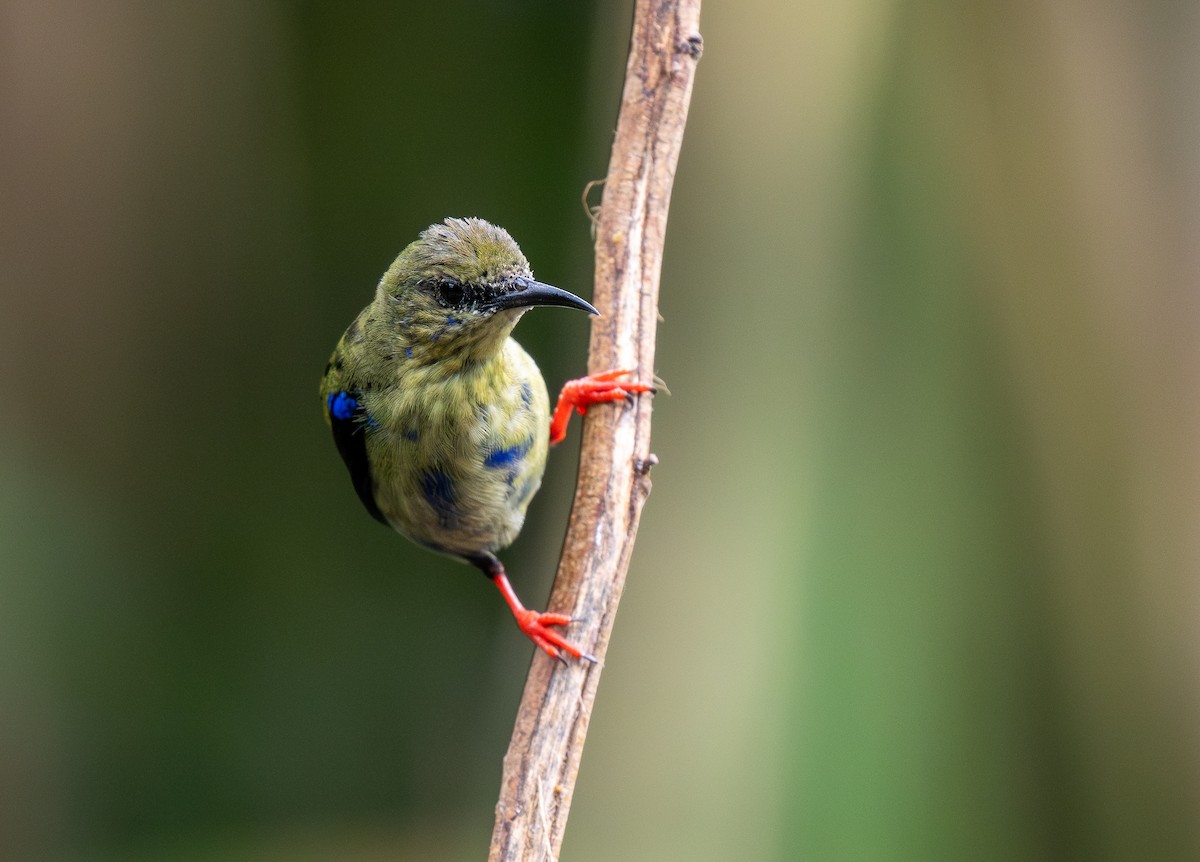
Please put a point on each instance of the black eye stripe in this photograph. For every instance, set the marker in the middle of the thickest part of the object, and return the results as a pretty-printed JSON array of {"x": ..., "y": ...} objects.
[{"x": 452, "y": 293}]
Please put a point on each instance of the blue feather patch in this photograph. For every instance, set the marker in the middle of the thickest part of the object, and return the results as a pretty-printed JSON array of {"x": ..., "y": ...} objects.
[
  {"x": 341, "y": 405},
  {"x": 438, "y": 488},
  {"x": 509, "y": 455}
]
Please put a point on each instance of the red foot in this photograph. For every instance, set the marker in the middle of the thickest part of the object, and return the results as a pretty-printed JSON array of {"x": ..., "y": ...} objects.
[
  {"x": 536, "y": 625},
  {"x": 593, "y": 389}
]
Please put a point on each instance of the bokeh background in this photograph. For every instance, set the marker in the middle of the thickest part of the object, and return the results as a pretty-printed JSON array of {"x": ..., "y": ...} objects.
[{"x": 918, "y": 578}]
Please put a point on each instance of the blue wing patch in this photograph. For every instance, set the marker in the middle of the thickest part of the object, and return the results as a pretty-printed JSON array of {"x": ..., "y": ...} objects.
[{"x": 341, "y": 405}]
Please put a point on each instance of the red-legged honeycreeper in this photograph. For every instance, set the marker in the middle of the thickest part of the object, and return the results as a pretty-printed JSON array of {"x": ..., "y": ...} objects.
[{"x": 440, "y": 416}]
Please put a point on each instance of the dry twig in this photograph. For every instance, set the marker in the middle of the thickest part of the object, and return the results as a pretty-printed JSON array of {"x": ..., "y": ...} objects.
[{"x": 547, "y": 742}]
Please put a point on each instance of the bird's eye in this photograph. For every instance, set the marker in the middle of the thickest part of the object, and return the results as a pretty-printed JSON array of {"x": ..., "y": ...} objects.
[{"x": 451, "y": 293}]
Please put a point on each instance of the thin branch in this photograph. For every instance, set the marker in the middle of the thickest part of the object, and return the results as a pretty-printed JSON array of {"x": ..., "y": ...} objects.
[{"x": 547, "y": 742}]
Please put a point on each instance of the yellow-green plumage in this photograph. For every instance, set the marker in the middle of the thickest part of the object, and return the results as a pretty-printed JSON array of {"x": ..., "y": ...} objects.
[
  {"x": 455, "y": 487},
  {"x": 442, "y": 417}
]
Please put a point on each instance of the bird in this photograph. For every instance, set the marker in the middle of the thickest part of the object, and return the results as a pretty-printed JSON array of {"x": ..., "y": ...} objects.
[{"x": 442, "y": 419}]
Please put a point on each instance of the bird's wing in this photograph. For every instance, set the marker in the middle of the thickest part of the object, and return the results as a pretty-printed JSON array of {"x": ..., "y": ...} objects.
[
  {"x": 348, "y": 420},
  {"x": 341, "y": 394}
]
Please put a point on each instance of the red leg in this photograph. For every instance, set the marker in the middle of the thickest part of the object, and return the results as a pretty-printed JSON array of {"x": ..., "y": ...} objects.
[
  {"x": 535, "y": 625},
  {"x": 594, "y": 389}
]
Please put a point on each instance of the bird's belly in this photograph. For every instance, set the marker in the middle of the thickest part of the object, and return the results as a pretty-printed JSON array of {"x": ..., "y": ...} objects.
[
  {"x": 460, "y": 511},
  {"x": 463, "y": 489}
]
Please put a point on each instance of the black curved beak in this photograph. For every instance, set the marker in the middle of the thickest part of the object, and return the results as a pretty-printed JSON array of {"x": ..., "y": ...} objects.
[{"x": 527, "y": 293}]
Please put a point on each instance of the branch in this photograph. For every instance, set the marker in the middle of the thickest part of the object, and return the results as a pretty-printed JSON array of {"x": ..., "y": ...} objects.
[{"x": 547, "y": 742}]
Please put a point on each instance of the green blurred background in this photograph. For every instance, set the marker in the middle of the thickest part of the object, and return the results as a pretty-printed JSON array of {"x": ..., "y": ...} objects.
[{"x": 918, "y": 579}]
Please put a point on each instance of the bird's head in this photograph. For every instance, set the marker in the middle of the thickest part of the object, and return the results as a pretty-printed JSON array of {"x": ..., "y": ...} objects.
[{"x": 460, "y": 289}]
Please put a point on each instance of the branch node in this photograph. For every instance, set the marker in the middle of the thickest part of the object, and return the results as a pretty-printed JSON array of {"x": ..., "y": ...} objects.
[
  {"x": 642, "y": 465},
  {"x": 693, "y": 46}
]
